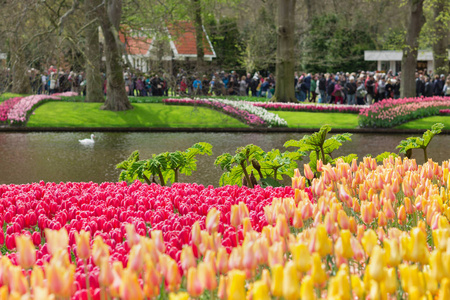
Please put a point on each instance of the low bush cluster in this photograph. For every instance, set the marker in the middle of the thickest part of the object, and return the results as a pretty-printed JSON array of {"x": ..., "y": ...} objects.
[{"x": 390, "y": 112}]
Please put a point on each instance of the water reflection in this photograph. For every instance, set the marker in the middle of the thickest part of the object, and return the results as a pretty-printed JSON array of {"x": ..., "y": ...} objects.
[{"x": 50, "y": 156}]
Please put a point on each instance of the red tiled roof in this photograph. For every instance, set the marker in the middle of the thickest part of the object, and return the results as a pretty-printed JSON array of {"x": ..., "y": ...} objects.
[
  {"x": 136, "y": 45},
  {"x": 183, "y": 35}
]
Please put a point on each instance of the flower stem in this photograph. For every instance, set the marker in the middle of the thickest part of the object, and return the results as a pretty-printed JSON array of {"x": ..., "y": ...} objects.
[{"x": 88, "y": 288}]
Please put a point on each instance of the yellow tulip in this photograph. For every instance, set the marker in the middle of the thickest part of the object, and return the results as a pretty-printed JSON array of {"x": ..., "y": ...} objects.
[
  {"x": 187, "y": 258},
  {"x": 432, "y": 284},
  {"x": 18, "y": 282},
  {"x": 37, "y": 277},
  {"x": 444, "y": 291},
  {"x": 59, "y": 279},
  {"x": 26, "y": 251},
  {"x": 318, "y": 273},
  {"x": 346, "y": 251},
  {"x": 277, "y": 280},
  {"x": 307, "y": 289},
  {"x": 418, "y": 246},
  {"x": 377, "y": 264},
  {"x": 291, "y": 286},
  {"x": 260, "y": 291},
  {"x": 369, "y": 241},
  {"x": 392, "y": 253},
  {"x": 99, "y": 250},
  {"x": 323, "y": 242},
  {"x": 56, "y": 239},
  {"x": 357, "y": 286},
  {"x": 436, "y": 266},
  {"x": 136, "y": 259},
  {"x": 222, "y": 290},
  {"x": 301, "y": 256},
  {"x": 179, "y": 296},
  {"x": 236, "y": 285},
  {"x": 390, "y": 282},
  {"x": 83, "y": 244}
]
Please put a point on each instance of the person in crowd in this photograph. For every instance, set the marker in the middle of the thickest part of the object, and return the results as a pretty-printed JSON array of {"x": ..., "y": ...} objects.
[
  {"x": 338, "y": 93},
  {"x": 330, "y": 89},
  {"x": 428, "y": 88},
  {"x": 254, "y": 84},
  {"x": 243, "y": 86},
  {"x": 205, "y": 86},
  {"x": 248, "y": 80},
  {"x": 396, "y": 83},
  {"x": 381, "y": 89},
  {"x": 439, "y": 83},
  {"x": 197, "y": 86},
  {"x": 370, "y": 88},
  {"x": 360, "y": 93},
  {"x": 322, "y": 88},
  {"x": 232, "y": 87},
  {"x": 351, "y": 87},
  {"x": 265, "y": 86},
  {"x": 140, "y": 87},
  {"x": 446, "y": 89},
  {"x": 183, "y": 86},
  {"x": 389, "y": 89},
  {"x": 313, "y": 89},
  {"x": 307, "y": 82},
  {"x": 420, "y": 85}
]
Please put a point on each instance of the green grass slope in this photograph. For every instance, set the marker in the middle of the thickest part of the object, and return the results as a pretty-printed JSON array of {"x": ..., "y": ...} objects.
[
  {"x": 426, "y": 123},
  {"x": 317, "y": 119},
  {"x": 73, "y": 114}
]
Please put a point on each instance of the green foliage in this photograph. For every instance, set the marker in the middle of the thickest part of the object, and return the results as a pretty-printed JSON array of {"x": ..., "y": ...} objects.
[
  {"x": 319, "y": 147},
  {"x": 385, "y": 155},
  {"x": 406, "y": 146},
  {"x": 331, "y": 45},
  {"x": 251, "y": 163},
  {"x": 166, "y": 166}
]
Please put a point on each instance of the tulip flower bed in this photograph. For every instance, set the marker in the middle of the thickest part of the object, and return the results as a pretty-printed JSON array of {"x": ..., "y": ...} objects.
[
  {"x": 6, "y": 106},
  {"x": 363, "y": 231},
  {"x": 247, "y": 113},
  {"x": 352, "y": 109},
  {"x": 390, "y": 112},
  {"x": 444, "y": 112},
  {"x": 16, "y": 110}
]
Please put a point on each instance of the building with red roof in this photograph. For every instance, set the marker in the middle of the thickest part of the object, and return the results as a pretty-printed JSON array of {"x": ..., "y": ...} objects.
[{"x": 177, "y": 43}]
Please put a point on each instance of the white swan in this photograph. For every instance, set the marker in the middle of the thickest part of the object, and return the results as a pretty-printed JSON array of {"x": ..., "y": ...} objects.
[{"x": 88, "y": 142}]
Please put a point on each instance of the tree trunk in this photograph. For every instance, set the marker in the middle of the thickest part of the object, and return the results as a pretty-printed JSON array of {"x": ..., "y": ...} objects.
[
  {"x": 416, "y": 19},
  {"x": 440, "y": 53},
  {"x": 20, "y": 77},
  {"x": 94, "y": 86},
  {"x": 284, "y": 89},
  {"x": 116, "y": 96},
  {"x": 198, "y": 24}
]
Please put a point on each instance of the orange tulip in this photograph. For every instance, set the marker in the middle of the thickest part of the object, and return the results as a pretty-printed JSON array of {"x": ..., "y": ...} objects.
[
  {"x": 207, "y": 276},
  {"x": 187, "y": 258},
  {"x": 308, "y": 172},
  {"x": 212, "y": 220},
  {"x": 157, "y": 236},
  {"x": 130, "y": 288},
  {"x": 194, "y": 284},
  {"x": 26, "y": 251},
  {"x": 196, "y": 236}
]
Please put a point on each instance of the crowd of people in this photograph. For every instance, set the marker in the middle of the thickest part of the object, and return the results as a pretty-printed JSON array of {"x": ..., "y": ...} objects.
[{"x": 357, "y": 88}]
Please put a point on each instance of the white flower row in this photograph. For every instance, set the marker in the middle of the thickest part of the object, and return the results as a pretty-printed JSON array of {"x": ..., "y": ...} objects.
[{"x": 271, "y": 118}]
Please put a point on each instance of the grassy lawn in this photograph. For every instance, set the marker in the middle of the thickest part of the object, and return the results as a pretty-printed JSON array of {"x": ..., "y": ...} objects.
[
  {"x": 317, "y": 119},
  {"x": 426, "y": 123},
  {"x": 73, "y": 114},
  {"x": 7, "y": 96}
]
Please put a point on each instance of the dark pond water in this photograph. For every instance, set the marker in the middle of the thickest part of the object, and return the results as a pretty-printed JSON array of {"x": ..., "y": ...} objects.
[{"x": 50, "y": 156}]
